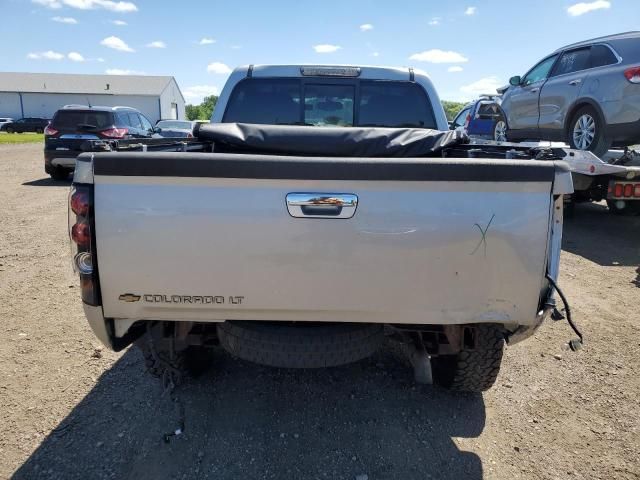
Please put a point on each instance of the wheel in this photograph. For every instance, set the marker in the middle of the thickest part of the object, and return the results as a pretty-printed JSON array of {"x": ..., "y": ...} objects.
[
  {"x": 587, "y": 132},
  {"x": 9, "y": 130},
  {"x": 39, "y": 130},
  {"x": 618, "y": 207},
  {"x": 60, "y": 174},
  {"x": 500, "y": 131},
  {"x": 300, "y": 345},
  {"x": 476, "y": 367},
  {"x": 170, "y": 365}
]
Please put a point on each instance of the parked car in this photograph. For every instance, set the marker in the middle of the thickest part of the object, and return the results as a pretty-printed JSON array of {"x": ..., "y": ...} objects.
[
  {"x": 28, "y": 124},
  {"x": 73, "y": 125},
  {"x": 586, "y": 94},
  {"x": 5, "y": 120},
  {"x": 478, "y": 118},
  {"x": 175, "y": 128},
  {"x": 308, "y": 230}
]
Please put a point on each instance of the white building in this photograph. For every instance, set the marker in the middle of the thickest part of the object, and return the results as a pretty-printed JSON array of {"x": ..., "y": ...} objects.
[{"x": 41, "y": 94}]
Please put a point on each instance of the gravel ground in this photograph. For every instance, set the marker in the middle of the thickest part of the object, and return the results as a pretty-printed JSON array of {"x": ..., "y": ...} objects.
[{"x": 69, "y": 409}]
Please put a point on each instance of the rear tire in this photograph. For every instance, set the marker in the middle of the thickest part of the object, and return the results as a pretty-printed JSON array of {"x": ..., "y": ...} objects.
[
  {"x": 9, "y": 130},
  {"x": 60, "y": 174},
  {"x": 39, "y": 130},
  {"x": 476, "y": 367},
  {"x": 629, "y": 209},
  {"x": 587, "y": 132},
  {"x": 301, "y": 345}
]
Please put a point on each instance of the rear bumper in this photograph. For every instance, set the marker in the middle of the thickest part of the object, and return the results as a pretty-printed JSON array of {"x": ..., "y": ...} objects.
[
  {"x": 57, "y": 159},
  {"x": 624, "y": 134}
]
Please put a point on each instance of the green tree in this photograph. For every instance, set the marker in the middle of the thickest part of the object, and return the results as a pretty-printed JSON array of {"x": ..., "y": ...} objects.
[
  {"x": 202, "y": 111},
  {"x": 452, "y": 108}
]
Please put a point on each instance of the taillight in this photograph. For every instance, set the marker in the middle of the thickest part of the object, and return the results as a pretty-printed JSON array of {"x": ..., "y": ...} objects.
[
  {"x": 82, "y": 243},
  {"x": 49, "y": 130},
  {"x": 114, "y": 132},
  {"x": 632, "y": 74},
  {"x": 636, "y": 190},
  {"x": 617, "y": 190},
  {"x": 628, "y": 190}
]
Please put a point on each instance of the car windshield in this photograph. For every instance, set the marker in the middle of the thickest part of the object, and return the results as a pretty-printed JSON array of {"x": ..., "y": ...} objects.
[
  {"x": 174, "y": 124},
  {"x": 344, "y": 104},
  {"x": 81, "y": 119}
]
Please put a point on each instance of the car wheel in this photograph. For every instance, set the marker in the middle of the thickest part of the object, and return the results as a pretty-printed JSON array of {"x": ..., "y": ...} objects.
[
  {"x": 587, "y": 132},
  {"x": 9, "y": 130},
  {"x": 622, "y": 207},
  {"x": 476, "y": 367},
  {"x": 500, "y": 131},
  {"x": 39, "y": 130}
]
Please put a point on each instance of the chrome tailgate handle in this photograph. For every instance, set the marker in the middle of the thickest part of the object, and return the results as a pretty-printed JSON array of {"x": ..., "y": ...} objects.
[{"x": 322, "y": 205}]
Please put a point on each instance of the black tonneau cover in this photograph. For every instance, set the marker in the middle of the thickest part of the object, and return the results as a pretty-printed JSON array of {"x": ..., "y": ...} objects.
[{"x": 329, "y": 141}]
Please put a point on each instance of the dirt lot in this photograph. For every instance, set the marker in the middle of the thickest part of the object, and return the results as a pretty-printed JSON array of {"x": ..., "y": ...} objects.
[{"x": 69, "y": 410}]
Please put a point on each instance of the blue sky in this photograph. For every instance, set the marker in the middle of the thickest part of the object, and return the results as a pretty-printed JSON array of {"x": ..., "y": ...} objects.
[{"x": 467, "y": 47}]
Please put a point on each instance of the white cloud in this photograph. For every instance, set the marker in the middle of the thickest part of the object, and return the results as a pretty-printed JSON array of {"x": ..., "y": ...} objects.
[
  {"x": 471, "y": 11},
  {"x": 69, "y": 20},
  {"x": 206, "y": 41},
  {"x": 326, "y": 48},
  {"x": 439, "y": 56},
  {"x": 365, "y": 27},
  {"x": 120, "y": 71},
  {"x": 53, "y": 4},
  {"x": 75, "y": 57},
  {"x": 583, "y": 7},
  {"x": 455, "y": 69},
  {"x": 484, "y": 85},
  {"x": 120, "y": 23},
  {"x": 122, "y": 7},
  {"x": 156, "y": 44},
  {"x": 375, "y": 54},
  {"x": 218, "y": 68},
  {"x": 196, "y": 93},
  {"x": 435, "y": 21},
  {"x": 117, "y": 44},
  {"x": 48, "y": 55}
]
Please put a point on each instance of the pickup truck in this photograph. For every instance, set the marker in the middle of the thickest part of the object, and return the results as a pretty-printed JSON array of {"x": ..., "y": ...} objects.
[{"x": 324, "y": 210}]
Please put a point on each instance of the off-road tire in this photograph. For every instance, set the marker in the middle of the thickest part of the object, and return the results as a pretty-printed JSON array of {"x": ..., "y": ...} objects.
[
  {"x": 601, "y": 142},
  {"x": 300, "y": 345},
  {"x": 476, "y": 368},
  {"x": 630, "y": 208},
  {"x": 173, "y": 366}
]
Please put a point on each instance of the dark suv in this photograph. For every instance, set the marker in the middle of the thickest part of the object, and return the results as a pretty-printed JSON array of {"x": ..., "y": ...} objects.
[
  {"x": 28, "y": 124},
  {"x": 586, "y": 94},
  {"x": 73, "y": 125}
]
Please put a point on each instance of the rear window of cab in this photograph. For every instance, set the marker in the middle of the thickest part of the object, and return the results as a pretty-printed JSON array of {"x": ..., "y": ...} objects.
[{"x": 317, "y": 102}]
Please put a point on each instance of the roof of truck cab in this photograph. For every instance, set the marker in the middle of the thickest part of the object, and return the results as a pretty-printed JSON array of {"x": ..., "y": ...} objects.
[
  {"x": 366, "y": 71},
  {"x": 607, "y": 38}
]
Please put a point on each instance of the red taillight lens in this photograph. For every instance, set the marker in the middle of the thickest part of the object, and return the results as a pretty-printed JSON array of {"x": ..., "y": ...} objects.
[
  {"x": 80, "y": 202},
  {"x": 114, "y": 132},
  {"x": 632, "y": 74},
  {"x": 628, "y": 190},
  {"x": 49, "y": 130},
  {"x": 617, "y": 190},
  {"x": 636, "y": 190},
  {"x": 81, "y": 234}
]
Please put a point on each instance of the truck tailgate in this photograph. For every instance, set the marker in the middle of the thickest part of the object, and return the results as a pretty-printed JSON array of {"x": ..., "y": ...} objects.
[{"x": 208, "y": 237}]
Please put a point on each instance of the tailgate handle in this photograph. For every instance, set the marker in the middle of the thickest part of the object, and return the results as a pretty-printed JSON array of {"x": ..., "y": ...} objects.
[{"x": 322, "y": 205}]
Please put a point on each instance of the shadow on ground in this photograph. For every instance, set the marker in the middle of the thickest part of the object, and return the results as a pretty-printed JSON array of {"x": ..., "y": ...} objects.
[
  {"x": 48, "y": 182},
  {"x": 246, "y": 421},
  {"x": 592, "y": 228}
]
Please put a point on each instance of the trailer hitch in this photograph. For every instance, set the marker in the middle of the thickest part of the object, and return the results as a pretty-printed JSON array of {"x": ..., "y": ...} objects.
[{"x": 576, "y": 343}]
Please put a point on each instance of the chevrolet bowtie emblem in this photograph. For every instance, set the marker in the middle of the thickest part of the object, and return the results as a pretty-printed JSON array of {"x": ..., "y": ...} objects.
[{"x": 129, "y": 297}]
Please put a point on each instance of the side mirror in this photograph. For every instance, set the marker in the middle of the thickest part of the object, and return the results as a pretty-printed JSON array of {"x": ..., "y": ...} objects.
[
  {"x": 515, "y": 81},
  {"x": 451, "y": 127}
]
